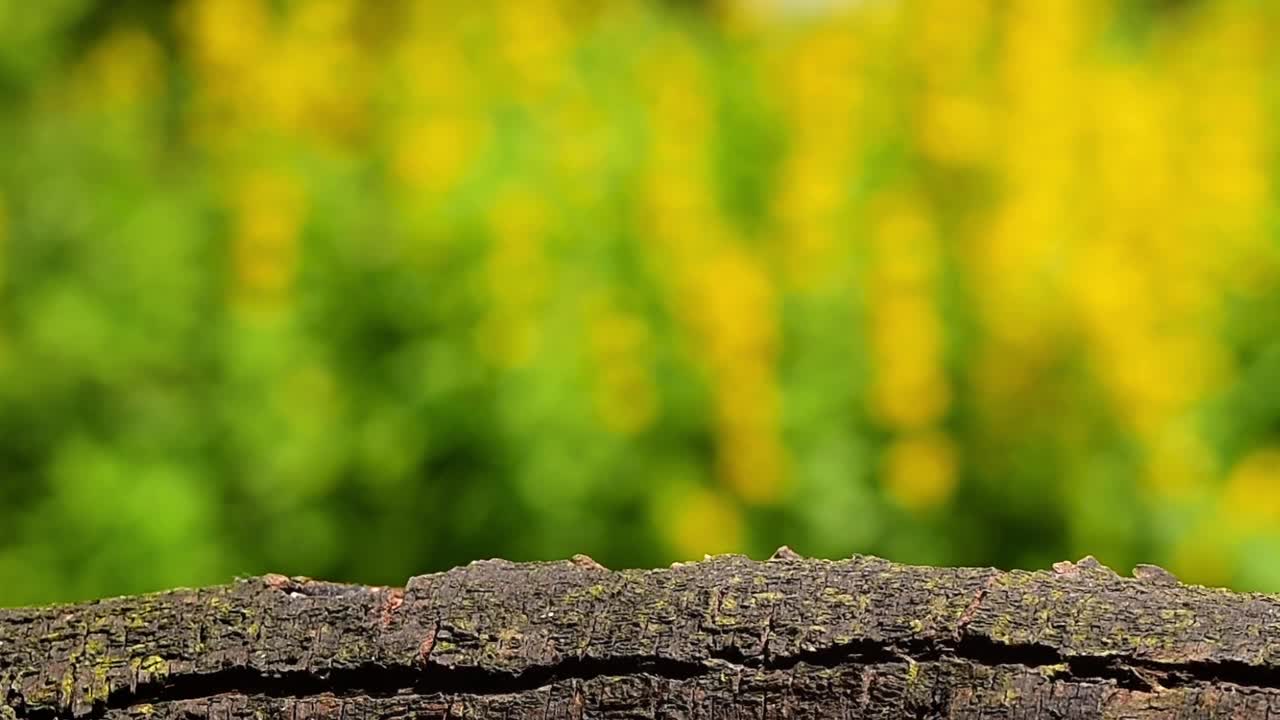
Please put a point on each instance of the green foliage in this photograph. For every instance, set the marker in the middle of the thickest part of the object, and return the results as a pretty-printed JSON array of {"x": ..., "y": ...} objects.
[{"x": 365, "y": 290}]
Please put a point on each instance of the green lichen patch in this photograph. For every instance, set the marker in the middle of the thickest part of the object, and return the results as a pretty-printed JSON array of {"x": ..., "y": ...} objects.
[{"x": 153, "y": 664}]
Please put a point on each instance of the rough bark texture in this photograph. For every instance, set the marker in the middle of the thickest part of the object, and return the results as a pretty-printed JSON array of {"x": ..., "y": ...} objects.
[{"x": 723, "y": 638}]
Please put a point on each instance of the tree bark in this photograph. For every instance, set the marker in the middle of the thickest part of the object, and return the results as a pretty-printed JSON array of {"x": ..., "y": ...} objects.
[{"x": 723, "y": 638}]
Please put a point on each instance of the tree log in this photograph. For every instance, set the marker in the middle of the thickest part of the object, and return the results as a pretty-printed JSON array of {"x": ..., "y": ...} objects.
[{"x": 724, "y": 638}]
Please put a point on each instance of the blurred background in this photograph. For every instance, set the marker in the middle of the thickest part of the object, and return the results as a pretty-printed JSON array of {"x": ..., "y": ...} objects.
[{"x": 361, "y": 290}]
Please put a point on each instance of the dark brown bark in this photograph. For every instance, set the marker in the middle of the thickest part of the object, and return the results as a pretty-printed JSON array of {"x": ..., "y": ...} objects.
[{"x": 723, "y": 638}]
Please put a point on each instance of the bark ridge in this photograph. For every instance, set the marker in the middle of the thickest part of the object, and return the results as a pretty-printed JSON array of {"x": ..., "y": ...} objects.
[{"x": 724, "y": 638}]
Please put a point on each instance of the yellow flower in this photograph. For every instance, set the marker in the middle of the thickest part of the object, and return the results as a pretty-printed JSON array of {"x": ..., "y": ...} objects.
[
  {"x": 127, "y": 66},
  {"x": 752, "y": 464},
  {"x": 508, "y": 338},
  {"x": 807, "y": 207},
  {"x": 626, "y": 399},
  {"x": 318, "y": 83},
  {"x": 581, "y": 138},
  {"x": 910, "y": 389},
  {"x": 434, "y": 153},
  {"x": 625, "y": 396},
  {"x": 955, "y": 129},
  {"x": 516, "y": 270},
  {"x": 435, "y": 67},
  {"x": 270, "y": 208},
  {"x": 737, "y": 309},
  {"x": 819, "y": 79},
  {"x": 703, "y": 521},
  {"x": 1252, "y": 494},
  {"x": 1203, "y": 555},
  {"x": 674, "y": 78},
  {"x": 909, "y": 397},
  {"x": 948, "y": 33},
  {"x": 4, "y": 238},
  {"x": 532, "y": 39},
  {"x": 738, "y": 328},
  {"x": 920, "y": 471},
  {"x": 1179, "y": 462},
  {"x": 226, "y": 34},
  {"x": 518, "y": 267}
]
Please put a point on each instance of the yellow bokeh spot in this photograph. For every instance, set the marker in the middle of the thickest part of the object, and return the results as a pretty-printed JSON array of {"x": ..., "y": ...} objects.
[
  {"x": 910, "y": 389},
  {"x": 226, "y": 34},
  {"x": 678, "y": 96},
  {"x": 516, "y": 271},
  {"x": 820, "y": 81},
  {"x": 1178, "y": 462},
  {"x": 734, "y": 313},
  {"x": 127, "y": 66},
  {"x": 909, "y": 266},
  {"x": 949, "y": 33},
  {"x": 270, "y": 208},
  {"x": 737, "y": 307},
  {"x": 807, "y": 207},
  {"x": 1203, "y": 556},
  {"x": 906, "y": 325},
  {"x": 909, "y": 397},
  {"x": 704, "y": 522},
  {"x": 296, "y": 69},
  {"x": 902, "y": 224},
  {"x": 618, "y": 335},
  {"x": 508, "y": 339},
  {"x": 749, "y": 405},
  {"x": 433, "y": 155},
  {"x": 920, "y": 471},
  {"x": 435, "y": 68},
  {"x": 518, "y": 212},
  {"x": 625, "y": 396},
  {"x": 4, "y": 238},
  {"x": 751, "y": 464},
  {"x": 1253, "y": 490},
  {"x": 518, "y": 268},
  {"x": 533, "y": 37},
  {"x": 626, "y": 399},
  {"x": 955, "y": 129}
]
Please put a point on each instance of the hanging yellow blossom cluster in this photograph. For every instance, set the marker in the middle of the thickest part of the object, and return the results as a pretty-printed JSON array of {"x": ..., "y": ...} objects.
[
  {"x": 625, "y": 396},
  {"x": 721, "y": 291},
  {"x": 820, "y": 85},
  {"x": 516, "y": 270},
  {"x": 911, "y": 394}
]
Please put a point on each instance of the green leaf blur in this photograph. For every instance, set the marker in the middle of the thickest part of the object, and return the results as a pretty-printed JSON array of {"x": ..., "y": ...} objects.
[{"x": 365, "y": 290}]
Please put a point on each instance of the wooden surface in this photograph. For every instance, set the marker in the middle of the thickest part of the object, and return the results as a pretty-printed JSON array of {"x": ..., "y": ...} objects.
[{"x": 724, "y": 638}]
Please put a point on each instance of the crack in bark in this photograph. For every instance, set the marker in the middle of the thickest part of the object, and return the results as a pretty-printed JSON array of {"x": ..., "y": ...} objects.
[
  {"x": 373, "y": 680},
  {"x": 974, "y": 605}
]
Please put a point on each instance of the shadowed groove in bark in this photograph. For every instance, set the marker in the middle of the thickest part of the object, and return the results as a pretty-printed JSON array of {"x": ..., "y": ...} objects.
[
  {"x": 380, "y": 681},
  {"x": 377, "y": 681}
]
